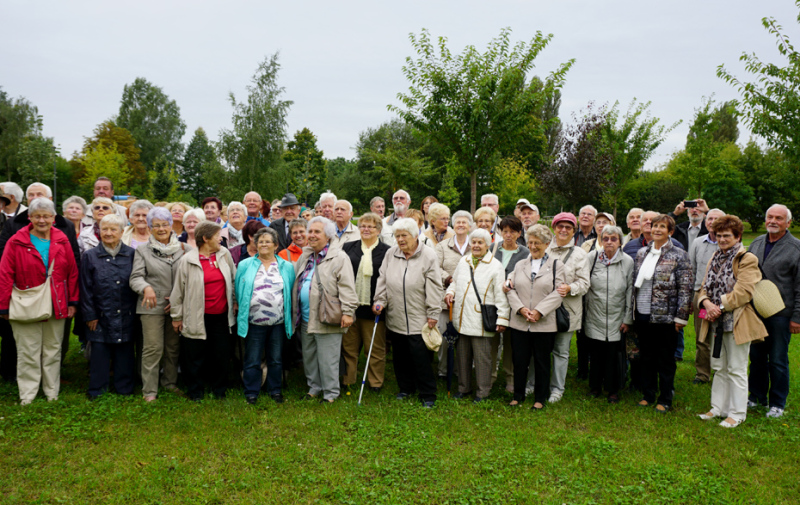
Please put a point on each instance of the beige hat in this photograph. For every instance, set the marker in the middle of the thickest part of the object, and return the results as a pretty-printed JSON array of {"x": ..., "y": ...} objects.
[
  {"x": 607, "y": 216},
  {"x": 432, "y": 337}
]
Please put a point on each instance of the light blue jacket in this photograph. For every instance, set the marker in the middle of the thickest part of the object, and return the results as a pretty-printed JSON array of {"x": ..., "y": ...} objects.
[{"x": 246, "y": 277}]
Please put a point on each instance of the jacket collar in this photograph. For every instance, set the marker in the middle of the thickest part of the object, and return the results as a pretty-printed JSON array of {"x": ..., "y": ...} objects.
[
  {"x": 123, "y": 251},
  {"x": 400, "y": 254}
]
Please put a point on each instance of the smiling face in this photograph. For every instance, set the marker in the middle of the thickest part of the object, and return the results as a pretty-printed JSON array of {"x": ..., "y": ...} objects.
[
  {"x": 536, "y": 247},
  {"x": 564, "y": 232},
  {"x": 461, "y": 226},
  {"x": 660, "y": 233},
  {"x": 316, "y": 236},
  {"x": 368, "y": 231},
  {"x": 100, "y": 210},
  {"x": 161, "y": 230},
  {"x": 777, "y": 221},
  {"x": 42, "y": 222},
  {"x": 485, "y": 222},
  {"x": 290, "y": 212},
  {"x": 236, "y": 217},
  {"x": 265, "y": 246},
  {"x": 177, "y": 212},
  {"x": 299, "y": 238},
  {"x": 110, "y": 234},
  {"x": 726, "y": 239},
  {"x": 253, "y": 203},
  {"x": 211, "y": 210},
  {"x": 479, "y": 247}
]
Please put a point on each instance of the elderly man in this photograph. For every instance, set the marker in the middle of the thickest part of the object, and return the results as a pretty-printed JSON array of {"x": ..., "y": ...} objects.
[
  {"x": 290, "y": 210},
  {"x": 105, "y": 188},
  {"x": 252, "y": 202},
  {"x": 700, "y": 252},
  {"x": 401, "y": 202},
  {"x": 585, "y": 225},
  {"x": 634, "y": 222},
  {"x": 377, "y": 206},
  {"x": 778, "y": 252},
  {"x": 529, "y": 215},
  {"x": 493, "y": 202},
  {"x": 686, "y": 232},
  {"x": 4, "y": 200},
  {"x": 632, "y": 247},
  {"x": 327, "y": 201},
  {"x": 345, "y": 231},
  {"x": 14, "y": 195}
]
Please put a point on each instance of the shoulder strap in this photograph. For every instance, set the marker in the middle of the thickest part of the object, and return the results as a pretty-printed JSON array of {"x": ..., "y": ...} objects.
[
  {"x": 591, "y": 270},
  {"x": 472, "y": 276},
  {"x": 555, "y": 262},
  {"x": 50, "y": 268},
  {"x": 566, "y": 258}
]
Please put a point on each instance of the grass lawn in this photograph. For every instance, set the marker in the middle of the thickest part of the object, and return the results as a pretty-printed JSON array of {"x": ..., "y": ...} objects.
[{"x": 581, "y": 450}]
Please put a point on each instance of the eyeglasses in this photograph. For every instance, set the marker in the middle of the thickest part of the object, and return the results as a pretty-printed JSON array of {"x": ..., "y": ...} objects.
[
  {"x": 102, "y": 207},
  {"x": 161, "y": 226},
  {"x": 564, "y": 227},
  {"x": 610, "y": 239},
  {"x": 262, "y": 243},
  {"x": 367, "y": 227}
]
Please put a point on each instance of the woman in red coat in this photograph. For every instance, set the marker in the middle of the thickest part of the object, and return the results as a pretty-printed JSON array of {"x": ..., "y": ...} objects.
[{"x": 27, "y": 258}]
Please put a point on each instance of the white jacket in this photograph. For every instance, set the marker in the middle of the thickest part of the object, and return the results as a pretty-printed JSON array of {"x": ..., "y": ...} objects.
[{"x": 489, "y": 277}]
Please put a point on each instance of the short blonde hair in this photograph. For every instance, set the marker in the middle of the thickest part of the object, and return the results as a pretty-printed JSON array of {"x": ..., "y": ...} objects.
[
  {"x": 437, "y": 211},
  {"x": 372, "y": 218},
  {"x": 485, "y": 210}
]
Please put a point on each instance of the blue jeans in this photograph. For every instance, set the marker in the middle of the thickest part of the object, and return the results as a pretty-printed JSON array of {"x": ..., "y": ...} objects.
[
  {"x": 260, "y": 339},
  {"x": 680, "y": 345},
  {"x": 769, "y": 364}
]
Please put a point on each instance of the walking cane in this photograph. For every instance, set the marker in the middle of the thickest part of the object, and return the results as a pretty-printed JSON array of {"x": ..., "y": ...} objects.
[{"x": 366, "y": 367}]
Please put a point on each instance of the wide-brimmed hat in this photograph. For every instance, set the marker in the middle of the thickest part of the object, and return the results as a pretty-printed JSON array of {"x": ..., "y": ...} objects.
[
  {"x": 432, "y": 337},
  {"x": 288, "y": 200},
  {"x": 565, "y": 216}
]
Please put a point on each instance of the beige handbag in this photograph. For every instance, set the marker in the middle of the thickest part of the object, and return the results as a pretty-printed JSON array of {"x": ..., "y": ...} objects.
[
  {"x": 34, "y": 304},
  {"x": 767, "y": 298},
  {"x": 330, "y": 309}
]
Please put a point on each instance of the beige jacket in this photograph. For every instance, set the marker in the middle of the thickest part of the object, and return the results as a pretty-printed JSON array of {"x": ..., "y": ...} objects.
[
  {"x": 489, "y": 278},
  {"x": 410, "y": 289},
  {"x": 576, "y": 273},
  {"x": 150, "y": 270},
  {"x": 335, "y": 272},
  {"x": 188, "y": 298},
  {"x": 350, "y": 234},
  {"x": 538, "y": 294}
]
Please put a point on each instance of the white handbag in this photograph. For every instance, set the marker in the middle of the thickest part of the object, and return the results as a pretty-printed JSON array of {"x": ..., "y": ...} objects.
[{"x": 34, "y": 304}]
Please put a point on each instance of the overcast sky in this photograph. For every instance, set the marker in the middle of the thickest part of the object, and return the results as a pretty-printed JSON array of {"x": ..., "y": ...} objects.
[{"x": 342, "y": 60}]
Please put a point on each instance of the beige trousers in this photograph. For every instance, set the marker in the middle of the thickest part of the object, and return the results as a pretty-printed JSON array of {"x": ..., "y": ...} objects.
[
  {"x": 39, "y": 357},
  {"x": 360, "y": 335},
  {"x": 161, "y": 343}
]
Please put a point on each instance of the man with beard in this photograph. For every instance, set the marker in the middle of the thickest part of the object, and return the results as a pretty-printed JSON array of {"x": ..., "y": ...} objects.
[
  {"x": 686, "y": 232},
  {"x": 401, "y": 201}
]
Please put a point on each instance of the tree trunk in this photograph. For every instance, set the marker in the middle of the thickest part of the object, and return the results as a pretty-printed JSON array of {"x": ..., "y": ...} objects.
[{"x": 473, "y": 190}]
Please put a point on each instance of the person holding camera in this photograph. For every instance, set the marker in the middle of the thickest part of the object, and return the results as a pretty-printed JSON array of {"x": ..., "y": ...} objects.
[{"x": 686, "y": 232}]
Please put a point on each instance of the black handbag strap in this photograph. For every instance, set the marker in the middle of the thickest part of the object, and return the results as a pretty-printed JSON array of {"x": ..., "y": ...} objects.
[
  {"x": 472, "y": 276},
  {"x": 555, "y": 262}
]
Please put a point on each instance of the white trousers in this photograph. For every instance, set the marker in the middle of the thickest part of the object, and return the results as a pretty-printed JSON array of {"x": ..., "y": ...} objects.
[{"x": 729, "y": 386}]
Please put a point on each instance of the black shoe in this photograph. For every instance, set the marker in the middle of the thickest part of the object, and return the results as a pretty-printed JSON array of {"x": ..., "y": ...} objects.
[
  {"x": 428, "y": 404},
  {"x": 678, "y": 358},
  {"x": 697, "y": 380},
  {"x": 251, "y": 400},
  {"x": 327, "y": 402},
  {"x": 375, "y": 389},
  {"x": 477, "y": 399},
  {"x": 277, "y": 397},
  {"x": 308, "y": 396},
  {"x": 402, "y": 396},
  {"x": 461, "y": 396}
]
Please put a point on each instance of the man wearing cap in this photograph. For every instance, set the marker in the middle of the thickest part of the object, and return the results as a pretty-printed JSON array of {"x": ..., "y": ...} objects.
[
  {"x": 252, "y": 202},
  {"x": 401, "y": 202},
  {"x": 602, "y": 220},
  {"x": 529, "y": 215},
  {"x": 290, "y": 209},
  {"x": 688, "y": 231}
]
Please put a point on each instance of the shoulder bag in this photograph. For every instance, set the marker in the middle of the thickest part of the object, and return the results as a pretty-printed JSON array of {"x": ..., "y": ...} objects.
[
  {"x": 34, "y": 304},
  {"x": 330, "y": 309},
  {"x": 488, "y": 312},
  {"x": 767, "y": 299}
]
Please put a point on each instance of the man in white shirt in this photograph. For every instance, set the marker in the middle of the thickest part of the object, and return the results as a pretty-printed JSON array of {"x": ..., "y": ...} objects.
[
  {"x": 345, "y": 231},
  {"x": 401, "y": 201}
]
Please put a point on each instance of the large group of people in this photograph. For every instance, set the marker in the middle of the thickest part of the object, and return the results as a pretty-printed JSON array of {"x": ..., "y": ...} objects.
[{"x": 180, "y": 299}]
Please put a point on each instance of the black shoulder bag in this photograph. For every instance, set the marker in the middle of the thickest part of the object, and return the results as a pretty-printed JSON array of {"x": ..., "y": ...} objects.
[
  {"x": 488, "y": 312},
  {"x": 562, "y": 316}
]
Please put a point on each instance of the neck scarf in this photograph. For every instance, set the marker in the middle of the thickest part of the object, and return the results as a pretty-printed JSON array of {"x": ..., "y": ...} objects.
[
  {"x": 166, "y": 251},
  {"x": 113, "y": 252},
  {"x": 313, "y": 261},
  {"x": 648, "y": 266},
  {"x": 720, "y": 280},
  {"x": 234, "y": 236},
  {"x": 605, "y": 260},
  {"x": 364, "y": 275}
]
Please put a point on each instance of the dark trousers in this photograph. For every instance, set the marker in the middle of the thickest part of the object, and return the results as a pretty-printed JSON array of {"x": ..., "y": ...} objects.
[
  {"x": 8, "y": 352},
  {"x": 540, "y": 345},
  {"x": 412, "y": 365},
  {"x": 769, "y": 364},
  {"x": 65, "y": 340},
  {"x": 657, "y": 343},
  {"x": 584, "y": 353},
  {"x": 102, "y": 357},
  {"x": 205, "y": 362},
  {"x": 604, "y": 371},
  {"x": 260, "y": 339}
]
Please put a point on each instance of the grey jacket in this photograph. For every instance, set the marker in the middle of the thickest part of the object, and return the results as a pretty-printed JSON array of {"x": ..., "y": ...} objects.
[
  {"x": 150, "y": 270},
  {"x": 410, "y": 289},
  {"x": 576, "y": 274},
  {"x": 536, "y": 294},
  {"x": 607, "y": 304},
  {"x": 781, "y": 267}
]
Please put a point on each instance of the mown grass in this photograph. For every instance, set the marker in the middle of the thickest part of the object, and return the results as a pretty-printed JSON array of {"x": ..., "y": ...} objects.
[{"x": 581, "y": 450}]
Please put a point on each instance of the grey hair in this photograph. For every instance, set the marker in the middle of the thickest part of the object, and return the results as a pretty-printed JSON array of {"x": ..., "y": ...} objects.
[
  {"x": 481, "y": 234},
  {"x": 780, "y": 205},
  {"x": 372, "y": 217},
  {"x": 327, "y": 196},
  {"x": 539, "y": 231},
  {"x": 205, "y": 231},
  {"x": 406, "y": 224},
  {"x": 160, "y": 213},
  {"x": 404, "y": 192},
  {"x": 349, "y": 205},
  {"x": 47, "y": 190},
  {"x": 251, "y": 193},
  {"x": 102, "y": 199},
  {"x": 633, "y": 210},
  {"x": 13, "y": 189},
  {"x": 74, "y": 199},
  {"x": 198, "y": 214},
  {"x": 239, "y": 205},
  {"x": 266, "y": 231},
  {"x": 139, "y": 204},
  {"x": 298, "y": 222},
  {"x": 327, "y": 225},
  {"x": 41, "y": 204},
  {"x": 376, "y": 199},
  {"x": 437, "y": 210},
  {"x": 715, "y": 210},
  {"x": 112, "y": 219},
  {"x": 612, "y": 229},
  {"x": 490, "y": 196},
  {"x": 462, "y": 213},
  {"x": 590, "y": 207}
]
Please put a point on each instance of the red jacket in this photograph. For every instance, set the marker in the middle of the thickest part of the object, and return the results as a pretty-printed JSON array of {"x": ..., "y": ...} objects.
[
  {"x": 291, "y": 253},
  {"x": 22, "y": 266}
]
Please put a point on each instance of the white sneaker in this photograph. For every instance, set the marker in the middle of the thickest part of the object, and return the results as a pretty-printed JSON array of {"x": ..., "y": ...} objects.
[
  {"x": 775, "y": 412},
  {"x": 554, "y": 398},
  {"x": 708, "y": 415},
  {"x": 25, "y": 402},
  {"x": 726, "y": 424},
  {"x": 751, "y": 404}
]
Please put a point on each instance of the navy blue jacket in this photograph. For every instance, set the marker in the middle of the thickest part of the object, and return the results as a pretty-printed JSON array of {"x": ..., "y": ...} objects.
[{"x": 106, "y": 294}]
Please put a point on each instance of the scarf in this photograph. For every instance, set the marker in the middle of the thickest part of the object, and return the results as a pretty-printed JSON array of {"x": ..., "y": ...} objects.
[
  {"x": 364, "y": 274},
  {"x": 165, "y": 252},
  {"x": 720, "y": 280},
  {"x": 648, "y": 268},
  {"x": 605, "y": 260},
  {"x": 234, "y": 236},
  {"x": 313, "y": 260},
  {"x": 113, "y": 252}
]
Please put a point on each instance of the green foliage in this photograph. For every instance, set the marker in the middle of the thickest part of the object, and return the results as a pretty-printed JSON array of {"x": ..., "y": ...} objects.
[
  {"x": 193, "y": 174},
  {"x": 36, "y": 156},
  {"x": 770, "y": 102},
  {"x": 307, "y": 162},
  {"x": 253, "y": 148},
  {"x": 164, "y": 182},
  {"x": 345, "y": 181},
  {"x": 112, "y": 136},
  {"x": 104, "y": 161},
  {"x": 727, "y": 122},
  {"x": 471, "y": 105},
  {"x": 771, "y": 178},
  {"x": 154, "y": 121},
  {"x": 19, "y": 120},
  {"x": 512, "y": 181}
]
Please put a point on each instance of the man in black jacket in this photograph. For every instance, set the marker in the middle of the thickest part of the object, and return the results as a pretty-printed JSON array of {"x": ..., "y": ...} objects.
[
  {"x": 290, "y": 210},
  {"x": 686, "y": 232}
]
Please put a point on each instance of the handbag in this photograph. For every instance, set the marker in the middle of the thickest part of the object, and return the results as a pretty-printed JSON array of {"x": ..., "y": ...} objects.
[
  {"x": 34, "y": 304},
  {"x": 330, "y": 309},
  {"x": 562, "y": 316},
  {"x": 488, "y": 312},
  {"x": 767, "y": 299}
]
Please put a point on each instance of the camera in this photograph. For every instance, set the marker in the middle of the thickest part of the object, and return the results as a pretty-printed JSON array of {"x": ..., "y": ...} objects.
[{"x": 689, "y": 204}]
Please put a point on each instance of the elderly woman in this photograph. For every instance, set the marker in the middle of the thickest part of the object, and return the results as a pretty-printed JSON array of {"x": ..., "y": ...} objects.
[
  {"x": 307, "y": 213},
  {"x": 191, "y": 219},
  {"x": 662, "y": 302},
  {"x": 297, "y": 232},
  {"x": 178, "y": 209},
  {"x": 575, "y": 285},
  {"x": 607, "y": 312},
  {"x": 410, "y": 290},
  {"x": 108, "y": 305},
  {"x": 232, "y": 231},
  {"x": 484, "y": 218},
  {"x": 602, "y": 220},
  {"x": 478, "y": 280},
  {"x": 75, "y": 209},
  {"x": 366, "y": 257},
  {"x": 264, "y": 290},
  {"x": 247, "y": 249},
  {"x": 726, "y": 294},
  {"x": 533, "y": 301},
  {"x": 448, "y": 253},
  {"x": 36, "y": 255},
  {"x": 322, "y": 270},
  {"x": 155, "y": 265},
  {"x": 203, "y": 311},
  {"x": 138, "y": 233},
  {"x": 439, "y": 221},
  {"x": 90, "y": 235},
  {"x": 212, "y": 207}
]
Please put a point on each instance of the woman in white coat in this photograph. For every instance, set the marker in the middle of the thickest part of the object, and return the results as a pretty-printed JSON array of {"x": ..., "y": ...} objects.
[{"x": 481, "y": 272}]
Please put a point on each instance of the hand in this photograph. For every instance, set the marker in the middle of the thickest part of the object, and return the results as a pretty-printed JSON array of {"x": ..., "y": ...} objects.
[
  {"x": 167, "y": 307},
  {"x": 149, "y": 298},
  {"x": 794, "y": 328},
  {"x": 448, "y": 298},
  {"x": 564, "y": 290},
  {"x": 347, "y": 321},
  {"x": 92, "y": 325},
  {"x": 448, "y": 281},
  {"x": 178, "y": 326},
  {"x": 624, "y": 328},
  {"x": 500, "y": 329},
  {"x": 535, "y": 316},
  {"x": 679, "y": 209},
  {"x": 508, "y": 286},
  {"x": 377, "y": 309},
  {"x": 702, "y": 206},
  {"x": 236, "y": 309},
  {"x": 712, "y": 310},
  {"x": 71, "y": 311},
  {"x": 432, "y": 323},
  {"x": 679, "y": 326}
]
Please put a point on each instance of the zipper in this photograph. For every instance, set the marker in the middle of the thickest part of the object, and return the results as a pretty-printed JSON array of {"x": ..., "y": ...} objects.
[
  {"x": 405, "y": 303},
  {"x": 607, "y": 290}
]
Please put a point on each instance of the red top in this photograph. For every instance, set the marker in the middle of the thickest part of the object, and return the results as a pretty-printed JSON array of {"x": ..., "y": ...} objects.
[{"x": 216, "y": 295}]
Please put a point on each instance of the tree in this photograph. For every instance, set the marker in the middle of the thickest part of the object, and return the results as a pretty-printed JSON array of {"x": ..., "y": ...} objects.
[
  {"x": 771, "y": 102},
  {"x": 307, "y": 162},
  {"x": 164, "y": 181},
  {"x": 254, "y": 146},
  {"x": 512, "y": 181},
  {"x": 104, "y": 161},
  {"x": 198, "y": 161},
  {"x": 472, "y": 104},
  {"x": 727, "y": 129},
  {"x": 154, "y": 121},
  {"x": 111, "y": 136},
  {"x": 19, "y": 119},
  {"x": 36, "y": 158}
]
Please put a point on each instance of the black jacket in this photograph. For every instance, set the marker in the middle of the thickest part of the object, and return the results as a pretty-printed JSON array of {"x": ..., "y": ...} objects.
[
  {"x": 682, "y": 233},
  {"x": 279, "y": 225},
  {"x": 353, "y": 251},
  {"x": 21, "y": 220}
]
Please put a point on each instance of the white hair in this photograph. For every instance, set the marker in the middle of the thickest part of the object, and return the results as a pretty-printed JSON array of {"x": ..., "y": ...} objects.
[
  {"x": 327, "y": 196},
  {"x": 635, "y": 210},
  {"x": 112, "y": 219},
  {"x": 13, "y": 189},
  {"x": 490, "y": 196},
  {"x": 406, "y": 224},
  {"x": 612, "y": 229},
  {"x": 480, "y": 233},
  {"x": 41, "y": 204},
  {"x": 327, "y": 225},
  {"x": 403, "y": 191},
  {"x": 462, "y": 213},
  {"x": 781, "y": 206},
  {"x": 139, "y": 204},
  {"x": 250, "y": 193},
  {"x": 102, "y": 199},
  {"x": 197, "y": 213},
  {"x": 74, "y": 199},
  {"x": 238, "y": 205},
  {"x": 349, "y": 205},
  {"x": 47, "y": 190},
  {"x": 590, "y": 207}
]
